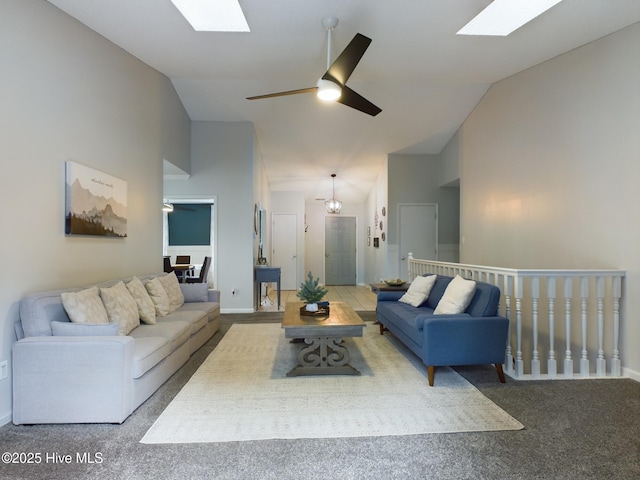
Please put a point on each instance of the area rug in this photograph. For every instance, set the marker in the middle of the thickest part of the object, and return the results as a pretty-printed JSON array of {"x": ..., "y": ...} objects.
[{"x": 241, "y": 392}]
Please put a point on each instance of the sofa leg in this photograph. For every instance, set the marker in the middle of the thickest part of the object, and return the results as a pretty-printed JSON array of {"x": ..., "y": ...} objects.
[
  {"x": 431, "y": 372},
  {"x": 381, "y": 329},
  {"x": 500, "y": 372}
]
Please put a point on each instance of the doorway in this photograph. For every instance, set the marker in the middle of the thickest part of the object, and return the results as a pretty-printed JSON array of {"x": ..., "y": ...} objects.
[
  {"x": 340, "y": 250},
  {"x": 197, "y": 242},
  {"x": 418, "y": 227},
  {"x": 284, "y": 252}
]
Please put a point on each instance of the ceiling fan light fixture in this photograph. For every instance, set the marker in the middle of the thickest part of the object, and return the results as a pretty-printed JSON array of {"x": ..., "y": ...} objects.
[
  {"x": 334, "y": 205},
  {"x": 328, "y": 91}
]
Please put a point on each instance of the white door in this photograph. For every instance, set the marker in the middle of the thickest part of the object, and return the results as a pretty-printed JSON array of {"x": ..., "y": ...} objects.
[
  {"x": 284, "y": 251},
  {"x": 418, "y": 225},
  {"x": 340, "y": 250}
]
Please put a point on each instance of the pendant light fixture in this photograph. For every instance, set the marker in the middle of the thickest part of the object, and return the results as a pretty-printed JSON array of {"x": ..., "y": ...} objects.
[{"x": 333, "y": 205}]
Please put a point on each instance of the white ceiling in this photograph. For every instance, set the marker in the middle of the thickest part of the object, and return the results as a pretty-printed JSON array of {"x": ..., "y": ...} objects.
[{"x": 425, "y": 78}]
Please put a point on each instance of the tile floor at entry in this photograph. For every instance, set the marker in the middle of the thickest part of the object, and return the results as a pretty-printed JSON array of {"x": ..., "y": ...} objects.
[{"x": 360, "y": 298}]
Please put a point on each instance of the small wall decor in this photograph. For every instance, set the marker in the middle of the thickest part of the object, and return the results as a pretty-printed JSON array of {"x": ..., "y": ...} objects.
[
  {"x": 383, "y": 236},
  {"x": 368, "y": 241},
  {"x": 384, "y": 211},
  {"x": 381, "y": 225},
  {"x": 376, "y": 242},
  {"x": 95, "y": 202}
]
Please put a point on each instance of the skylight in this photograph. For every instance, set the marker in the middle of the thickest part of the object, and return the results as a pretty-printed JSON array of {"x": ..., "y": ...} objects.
[
  {"x": 502, "y": 17},
  {"x": 213, "y": 15}
]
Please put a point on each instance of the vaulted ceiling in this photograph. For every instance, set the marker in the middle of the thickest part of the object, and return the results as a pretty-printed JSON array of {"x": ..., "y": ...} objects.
[{"x": 425, "y": 78}]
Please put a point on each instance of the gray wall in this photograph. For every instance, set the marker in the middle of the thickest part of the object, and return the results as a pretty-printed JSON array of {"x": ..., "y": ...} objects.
[
  {"x": 550, "y": 164},
  {"x": 222, "y": 166},
  {"x": 69, "y": 94}
]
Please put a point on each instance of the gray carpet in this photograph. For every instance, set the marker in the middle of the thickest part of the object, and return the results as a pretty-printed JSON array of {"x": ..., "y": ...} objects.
[{"x": 574, "y": 430}]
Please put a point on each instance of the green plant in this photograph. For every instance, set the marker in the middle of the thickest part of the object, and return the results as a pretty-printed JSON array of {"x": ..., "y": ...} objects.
[{"x": 310, "y": 291}]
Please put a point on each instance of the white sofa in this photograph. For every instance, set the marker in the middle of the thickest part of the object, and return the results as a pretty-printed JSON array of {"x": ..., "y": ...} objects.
[{"x": 62, "y": 376}]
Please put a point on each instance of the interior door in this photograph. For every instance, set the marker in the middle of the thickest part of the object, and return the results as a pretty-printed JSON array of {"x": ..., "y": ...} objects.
[
  {"x": 418, "y": 225},
  {"x": 284, "y": 251},
  {"x": 340, "y": 250}
]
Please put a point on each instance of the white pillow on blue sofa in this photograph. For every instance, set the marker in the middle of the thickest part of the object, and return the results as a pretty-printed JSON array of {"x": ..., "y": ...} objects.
[
  {"x": 456, "y": 297},
  {"x": 419, "y": 290}
]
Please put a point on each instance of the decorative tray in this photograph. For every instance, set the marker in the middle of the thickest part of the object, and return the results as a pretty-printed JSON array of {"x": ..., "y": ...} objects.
[
  {"x": 323, "y": 311},
  {"x": 395, "y": 283}
]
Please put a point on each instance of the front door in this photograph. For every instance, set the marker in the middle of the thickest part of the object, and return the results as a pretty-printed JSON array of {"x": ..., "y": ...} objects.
[{"x": 340, "y": 250}]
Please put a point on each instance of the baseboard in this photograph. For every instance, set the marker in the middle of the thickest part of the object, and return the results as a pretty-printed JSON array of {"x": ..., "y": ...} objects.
[
  {"x": 6, "y": 419},
  {"x": 632, "y": 374},
  {"x": 237, "y": 310}
]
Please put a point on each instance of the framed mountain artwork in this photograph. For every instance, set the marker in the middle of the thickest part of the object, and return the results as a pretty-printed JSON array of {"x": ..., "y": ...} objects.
[{"x": 95, "y": 202}]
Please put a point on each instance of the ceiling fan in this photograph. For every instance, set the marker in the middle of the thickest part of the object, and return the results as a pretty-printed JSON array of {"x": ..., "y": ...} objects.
[{"x": 332, "y": 85}]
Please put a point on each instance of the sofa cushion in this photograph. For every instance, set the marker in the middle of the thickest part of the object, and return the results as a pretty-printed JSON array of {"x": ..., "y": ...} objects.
[
  {"x": 146, "y": 308},
  {"x": 195, "y": 292},
  {"x": 210, "y": 308},
  {"x": 456, "y": 297},
  {"x": 147, "y": 353},
  {"x": 84, "y": 306},
  {"x": 404, "y": 317},
  {"x": 159, "y": 296},
  {"x": 419, "y": 290},
  {"x": 70, "y": 329},
  {"x": 172, "y": 288},
  {"x": 121, "y": 307},
  {"x": 176, "y": 333},
  {"x": 196, "y": 319}
]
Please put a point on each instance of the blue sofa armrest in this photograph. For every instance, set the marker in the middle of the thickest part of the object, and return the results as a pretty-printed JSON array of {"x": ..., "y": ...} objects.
[
  {"x": 464, "y": 340},
  {"x": 390, "y": 295}
]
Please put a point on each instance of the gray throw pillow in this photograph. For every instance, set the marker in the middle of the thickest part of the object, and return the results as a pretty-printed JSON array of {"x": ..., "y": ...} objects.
[
  {"x": 195, "y": 292},
  {"x": 69, "y": 329}
]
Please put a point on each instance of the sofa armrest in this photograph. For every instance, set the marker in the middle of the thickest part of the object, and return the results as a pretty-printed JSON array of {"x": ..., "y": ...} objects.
[
  {"x": 214, "y": 295},
  {"x": 390, "y": 295},
  {"x": 464, "y": 340},
  {"x": 72, "y": 379}
]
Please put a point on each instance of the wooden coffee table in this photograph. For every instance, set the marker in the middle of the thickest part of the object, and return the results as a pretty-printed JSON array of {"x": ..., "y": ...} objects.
[{"x": 324, "y": 353}]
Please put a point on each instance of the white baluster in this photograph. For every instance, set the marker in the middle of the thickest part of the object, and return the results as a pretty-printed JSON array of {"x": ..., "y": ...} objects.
[
  {"x": 601, "y": 363},
  {"x": 518, "y": 294},
  {"x": 568, "y": 292},
  {"x": 535, "y": 294},
  {"x": 584, "y": 294},
  {"x": 616, "y": 292},
  {"x": 552, "y": 367},
  {"x": 508, "y": 285}
]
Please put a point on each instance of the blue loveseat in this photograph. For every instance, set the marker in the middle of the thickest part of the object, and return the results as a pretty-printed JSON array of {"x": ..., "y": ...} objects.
[{"x": 477, "y": 336}]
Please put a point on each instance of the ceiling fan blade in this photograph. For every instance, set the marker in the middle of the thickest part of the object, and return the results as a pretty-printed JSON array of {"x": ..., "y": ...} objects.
[
  {"x": 282, "y": 94},
  {"x": 357, "y": 101},
  {"x": 343, "y": 66}
]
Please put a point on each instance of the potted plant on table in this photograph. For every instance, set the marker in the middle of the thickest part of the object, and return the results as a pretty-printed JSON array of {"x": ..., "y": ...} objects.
[{"x": 311, "y": 293}]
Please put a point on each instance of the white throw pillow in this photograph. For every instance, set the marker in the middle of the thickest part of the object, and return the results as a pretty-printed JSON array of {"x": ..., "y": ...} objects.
[
  {"x": 146, "y": 308},
  {"x": 172, "y": 287},
  {"x": 121, "y": 307},
  {"x": 84, "y": 306},
  {"x": 159, "y": 297},
  {"x": 457, "y": 296},
  {"x": 419, "y": 290}
]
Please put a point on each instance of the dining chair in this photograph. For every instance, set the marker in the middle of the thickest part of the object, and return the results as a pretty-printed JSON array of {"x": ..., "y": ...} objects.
[
  {"x": 204, "y": 272},
  {"x": 167, "y": 264}
]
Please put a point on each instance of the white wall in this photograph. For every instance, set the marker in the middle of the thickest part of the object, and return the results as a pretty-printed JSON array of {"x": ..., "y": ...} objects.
[
  {"x": 222, "y": 166},
  {"x": 550, "y": 163},
  {"x": 375, "y": 259},
  {"x": 69, "y": 94},
  {"x": 417, "y": 179}
]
